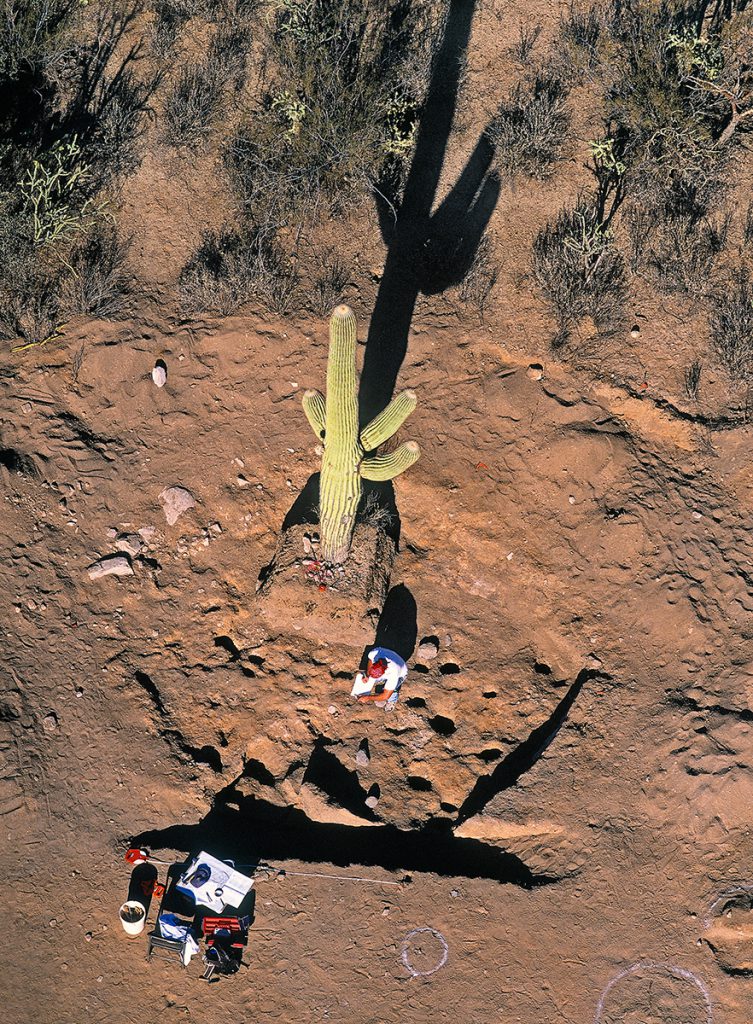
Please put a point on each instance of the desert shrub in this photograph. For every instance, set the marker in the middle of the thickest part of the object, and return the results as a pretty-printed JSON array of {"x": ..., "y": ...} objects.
[
  {"x": 479, "y": 282},
  {"x": 732, "y": 327},
  {"x": 692, "y": 377},
  {"x": 29, "y": 284},
  {"x": 340, "y": 107},
  {"x": 97, "y": 284},
  {"x": 748, "y": 226},
  {"x": 71, "y": 108},
  {"x": 170, "y": 17},
  {"x": 57, "y": 193},
  {"x": 329, "y": 283},
  {"x": 231, "y": 269},
  {"x": 228, "y": 52},
  {"x": 715, "y": 67},
  {"x": 523, "y": 46},
  {"x": 580, "y": 37},
  {"x": 680, "y": 254},
  {"x": 529, "y": 130},
  {"x": 579, "y": 270},
  {"x": 192, "y": 105},
  {"x": 34, "y": 34}
]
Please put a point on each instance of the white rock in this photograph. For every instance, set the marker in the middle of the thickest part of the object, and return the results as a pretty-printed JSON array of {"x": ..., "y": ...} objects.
[
  {"x": 131, "y": 543},
  {"x": 159, "y": 374},
  {"x": 427, "y": 650},
  {"x": 175, "y": 501},
  {"x": 111, "y": 565}
]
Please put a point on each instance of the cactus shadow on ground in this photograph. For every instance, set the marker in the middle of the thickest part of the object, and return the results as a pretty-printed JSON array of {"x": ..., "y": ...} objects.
[{"x": 427, "y": 252}]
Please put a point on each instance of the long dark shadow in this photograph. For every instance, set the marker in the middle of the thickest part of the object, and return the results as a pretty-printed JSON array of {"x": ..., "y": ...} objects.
[
  {"x": 259, "y": 831},
  {"x": 524, "y": 756},
  {"x": 427, "y": 252}
]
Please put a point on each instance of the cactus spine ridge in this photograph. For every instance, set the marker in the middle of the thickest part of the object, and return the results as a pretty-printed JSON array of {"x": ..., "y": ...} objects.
[{"x": 344, "y": 462}]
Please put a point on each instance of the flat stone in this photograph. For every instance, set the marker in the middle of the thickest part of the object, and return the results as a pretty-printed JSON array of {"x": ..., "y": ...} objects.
[
  {"x": 111, "y": 565},
  {"x": 131, "y": 543},
  {"x": 175, "y": 501}
]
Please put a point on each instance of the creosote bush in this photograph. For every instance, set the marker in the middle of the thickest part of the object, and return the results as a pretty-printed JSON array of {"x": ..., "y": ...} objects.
[
  {"x": 338, "y": 116},
  {"x": 579, "y": 270},
  {"x": 231, "y": 269},
  {"x": 529, "y": 131},
  {"x": 193, "y": 105},
  {"x": 732, "y": 327},
  {"x": 98, "y": 283}
]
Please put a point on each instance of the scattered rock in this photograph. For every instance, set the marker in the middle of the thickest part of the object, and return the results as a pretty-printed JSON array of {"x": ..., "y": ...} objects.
[
  {"x": 130, "y": 543},
  {"x": 535, "y": 371},
  {"x": 372, "y": 797},
  {"x": 363, "y": 757},
  {"x": 111, "y": 565},
  {"x": 159, "y": 373},
  {"x": 428, "y": 649},
  {"x": 147, "y": 533},
  {"x": 50, "y": 722},
  {"x": 635, "y": 331},
  {"x": 112, "y": 533},
  {"x": 175, "y": 501}
]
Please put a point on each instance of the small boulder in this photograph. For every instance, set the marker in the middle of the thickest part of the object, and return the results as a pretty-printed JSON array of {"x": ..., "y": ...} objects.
[
  {"x": 175, "y": 501},
  {"x": 131, "y": 543},
  {"x": 111, "y": 565},
  {"x": 427, "y": 649}
]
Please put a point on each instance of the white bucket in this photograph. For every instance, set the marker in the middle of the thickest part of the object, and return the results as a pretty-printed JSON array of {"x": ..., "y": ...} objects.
[{"x": 132, "y": 924}]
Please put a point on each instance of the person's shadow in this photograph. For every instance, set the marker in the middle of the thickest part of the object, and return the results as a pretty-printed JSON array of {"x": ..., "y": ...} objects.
[{"x": 427, "y": 252}]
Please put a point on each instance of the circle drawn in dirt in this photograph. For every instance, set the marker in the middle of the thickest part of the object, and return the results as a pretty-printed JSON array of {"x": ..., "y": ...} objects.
[
  {"x": 411, "y": 950},
  {"x": 670, "y": 972}
]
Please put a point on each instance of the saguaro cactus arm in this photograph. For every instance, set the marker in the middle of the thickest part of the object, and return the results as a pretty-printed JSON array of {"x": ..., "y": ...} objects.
[
  {"x": 389, "y": 420},
  {"x": 387, "y": 467},
  {"x": 316, "y": 411}
]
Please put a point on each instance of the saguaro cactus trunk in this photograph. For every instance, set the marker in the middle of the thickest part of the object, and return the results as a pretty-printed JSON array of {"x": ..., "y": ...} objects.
[{"x": 345, "y": 462}]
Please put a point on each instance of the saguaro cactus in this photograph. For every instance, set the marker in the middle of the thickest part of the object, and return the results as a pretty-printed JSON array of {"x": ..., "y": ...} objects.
[{"x": 346, "y": 460}]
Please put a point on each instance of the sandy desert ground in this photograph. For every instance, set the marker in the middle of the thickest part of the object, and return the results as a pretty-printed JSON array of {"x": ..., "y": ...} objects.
[{"x": 565, "y": 787}]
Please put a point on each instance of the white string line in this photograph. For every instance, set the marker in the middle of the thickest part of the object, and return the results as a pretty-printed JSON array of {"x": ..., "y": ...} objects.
[
  {"x": 405, "y": 955},
  {"x": 302, "y": 874},
  {"x": 649, "y": 965}
]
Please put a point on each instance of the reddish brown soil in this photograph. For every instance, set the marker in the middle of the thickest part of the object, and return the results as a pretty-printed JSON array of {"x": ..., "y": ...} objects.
[{"x": 568, "y": 784}]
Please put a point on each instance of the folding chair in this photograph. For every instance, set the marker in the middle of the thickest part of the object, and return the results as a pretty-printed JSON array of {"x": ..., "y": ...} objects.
[{"x": 172, "y": 902}]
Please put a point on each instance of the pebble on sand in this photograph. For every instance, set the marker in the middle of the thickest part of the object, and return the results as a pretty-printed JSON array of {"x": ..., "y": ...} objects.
[
  {"x": 175, "y": 501},
  {"x": 159, "y": 373},
  {"x": 111, "y": 565}
]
